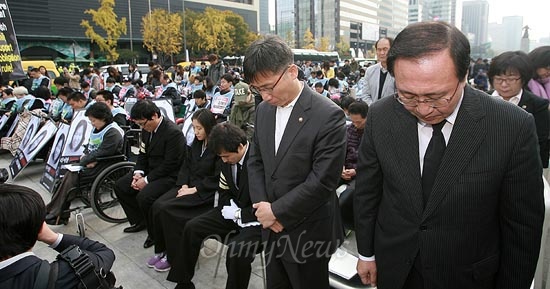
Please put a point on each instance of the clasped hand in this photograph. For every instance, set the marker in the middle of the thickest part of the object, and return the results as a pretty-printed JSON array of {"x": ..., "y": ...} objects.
[
  {"x": 265, "y": 216},
  {"x": 185, "y": 190},
  {"x": 138, "y": 182}
]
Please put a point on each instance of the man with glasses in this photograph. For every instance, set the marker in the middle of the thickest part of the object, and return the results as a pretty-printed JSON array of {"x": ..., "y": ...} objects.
[
  {"x": 378, "y": 82},
  {"x": 160, "y": 153},
  {"x": 449, "y": 190},
  {"x": 296, "y": 159}
]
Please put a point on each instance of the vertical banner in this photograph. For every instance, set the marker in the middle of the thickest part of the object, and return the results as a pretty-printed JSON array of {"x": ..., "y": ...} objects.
[
  {"x": 51, "y": 171},
  {"x": 10, "y": 59}
]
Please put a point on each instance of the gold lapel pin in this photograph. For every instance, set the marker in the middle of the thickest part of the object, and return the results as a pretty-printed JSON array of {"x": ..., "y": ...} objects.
[{"x": 300, "y": 119}]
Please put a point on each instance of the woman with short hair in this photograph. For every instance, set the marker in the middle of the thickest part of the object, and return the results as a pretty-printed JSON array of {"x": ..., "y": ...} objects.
[{"x": 105, "y": 140}]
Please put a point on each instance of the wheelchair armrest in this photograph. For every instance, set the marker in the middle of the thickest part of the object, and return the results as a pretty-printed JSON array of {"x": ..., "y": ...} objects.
[{"x": 112, "y": 158}]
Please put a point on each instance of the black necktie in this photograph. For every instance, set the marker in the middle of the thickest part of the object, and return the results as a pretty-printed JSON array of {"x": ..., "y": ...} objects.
[
  {"x": 432, "y": 159},
  {"x": 238, "y": 174}
]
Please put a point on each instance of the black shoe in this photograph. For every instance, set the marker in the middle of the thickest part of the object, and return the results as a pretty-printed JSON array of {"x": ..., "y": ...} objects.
[
  {"x": 148, "y": 242},
  {"x": 185, "y": 286},
  {"x": 134, "y": 228}
]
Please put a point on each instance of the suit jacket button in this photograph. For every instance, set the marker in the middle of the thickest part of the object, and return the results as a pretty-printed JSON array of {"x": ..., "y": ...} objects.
[{"x": 423, "y": 228}]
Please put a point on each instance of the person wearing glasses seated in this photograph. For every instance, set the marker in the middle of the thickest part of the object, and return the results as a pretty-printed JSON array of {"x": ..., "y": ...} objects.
[
  {"x": 161, "y": 151},
  {"x": 509, "y": 74},
  {"x": 105, "y": 140}
]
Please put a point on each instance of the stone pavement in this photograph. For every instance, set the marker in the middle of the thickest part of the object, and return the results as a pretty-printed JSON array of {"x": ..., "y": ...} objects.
[{"x": 130, "y": 268}]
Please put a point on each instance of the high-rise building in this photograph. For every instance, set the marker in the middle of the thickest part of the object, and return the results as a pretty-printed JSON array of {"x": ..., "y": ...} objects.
[
  {"x": 449, "y": 11},
  {"x": 506, "y": 36},
  {"x": 475, "y": 23},
  {"x": 358, "y": 22},
  {"x": 416, "y": 11}
]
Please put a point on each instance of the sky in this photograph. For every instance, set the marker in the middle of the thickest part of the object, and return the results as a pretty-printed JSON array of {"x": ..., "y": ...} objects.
[{"x": 534, "y": 12}]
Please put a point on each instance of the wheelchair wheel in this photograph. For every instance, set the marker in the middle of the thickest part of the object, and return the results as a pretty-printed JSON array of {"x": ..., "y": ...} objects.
[{"x": 104, "y": 201}]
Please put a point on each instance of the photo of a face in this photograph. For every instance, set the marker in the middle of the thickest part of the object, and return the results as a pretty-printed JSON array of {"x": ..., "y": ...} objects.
[
  {"x": 37, "y": 140},
  {"x": 28, "y": 135},
  {"x": 56, "y": 152},
  {"x": 78, "y": 136},
  {"x": 57, "y": 147}
]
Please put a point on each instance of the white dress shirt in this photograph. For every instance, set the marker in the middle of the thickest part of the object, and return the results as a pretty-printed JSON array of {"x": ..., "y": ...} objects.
[
  {"x": 281, "y": 119},
  {"x": 514, "y": 99}
]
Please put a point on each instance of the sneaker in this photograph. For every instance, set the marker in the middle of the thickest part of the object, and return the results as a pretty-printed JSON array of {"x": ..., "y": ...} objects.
[
  {"x": 162, "y": 265},
  {"x": 154, "y": 260}
]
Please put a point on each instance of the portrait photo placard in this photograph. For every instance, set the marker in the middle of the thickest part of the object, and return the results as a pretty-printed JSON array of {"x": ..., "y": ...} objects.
[
  {"x": 78, "y": 136},
  {"x": 51, "y": 171}
]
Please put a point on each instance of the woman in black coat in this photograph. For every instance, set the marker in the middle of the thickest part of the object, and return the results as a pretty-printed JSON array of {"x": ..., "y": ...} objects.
[{"x": 193, "y": 194}]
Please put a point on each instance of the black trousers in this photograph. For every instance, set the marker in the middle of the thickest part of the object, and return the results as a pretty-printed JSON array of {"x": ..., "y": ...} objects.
[
  {"x": 137, "y": 204},
  {"x": 243, "y": 245},
  {"x": 61, "y": 200},
  {"x": 346, "y": 206},
  {"x": 282, "y": 274},
  {"x": 170, "y": 214}
]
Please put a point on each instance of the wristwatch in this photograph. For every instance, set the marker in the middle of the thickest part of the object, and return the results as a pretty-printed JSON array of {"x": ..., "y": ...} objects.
[{"x": 237, "y": 215}]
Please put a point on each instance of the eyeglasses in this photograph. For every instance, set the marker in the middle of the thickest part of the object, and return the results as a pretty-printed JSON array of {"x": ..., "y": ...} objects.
[
  {"x": 509, "y": 80},
  {"x": 141, "y": 124},
  {"x": 433, "y": 103},
  {"x": 257, "y": 90}
]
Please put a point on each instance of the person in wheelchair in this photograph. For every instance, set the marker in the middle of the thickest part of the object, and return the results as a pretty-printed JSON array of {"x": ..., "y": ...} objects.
[{"x": 106, "y": 140}]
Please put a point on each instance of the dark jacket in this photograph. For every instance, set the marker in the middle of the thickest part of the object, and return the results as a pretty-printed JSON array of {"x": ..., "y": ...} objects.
[
  {"x": 538, "y": 107},
  {"x": 162, "y": 156},
  {"x": 201, "y": 170},
  {"x": 22, "y": 274}
]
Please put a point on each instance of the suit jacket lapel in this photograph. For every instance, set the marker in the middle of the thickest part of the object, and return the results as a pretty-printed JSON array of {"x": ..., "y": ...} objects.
[
  {"x": 156, "y": 135},
  {"x": 525, "y": 102},
  {"x": 465, "y": 139},
  {"x": 404, "y": 133},
  {"x": 295, "y": 123}
]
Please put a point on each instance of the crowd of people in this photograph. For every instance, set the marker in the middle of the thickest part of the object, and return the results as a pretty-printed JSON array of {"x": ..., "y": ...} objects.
[{"x": 434, "y": 160}]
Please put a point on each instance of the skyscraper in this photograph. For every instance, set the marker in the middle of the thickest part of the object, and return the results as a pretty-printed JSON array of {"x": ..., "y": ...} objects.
[
  {"x": 449, "y": 11},
  {"x": 475, "y": 22},
  {"x": 357, "y": 22}
]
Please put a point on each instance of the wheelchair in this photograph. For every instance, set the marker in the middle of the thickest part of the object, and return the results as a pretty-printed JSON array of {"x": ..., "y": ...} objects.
[{"x": 99, "y": 194}]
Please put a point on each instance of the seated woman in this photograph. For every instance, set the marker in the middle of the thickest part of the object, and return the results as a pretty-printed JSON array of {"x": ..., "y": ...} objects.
[
  {"x": 193, "y": 194},
  {"x": 106, "y": 140}
]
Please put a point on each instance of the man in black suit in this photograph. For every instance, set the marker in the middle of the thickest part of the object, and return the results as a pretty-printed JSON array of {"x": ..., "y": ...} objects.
[
  {"x": 294, "y": 167},
  {"x": 509, "y": 74},
  {"x": 232, "y": 222},
  {"x": 160, "y": 153},
  {"x": 22, "y": 212},
  {"x": 449, "y": 187}
]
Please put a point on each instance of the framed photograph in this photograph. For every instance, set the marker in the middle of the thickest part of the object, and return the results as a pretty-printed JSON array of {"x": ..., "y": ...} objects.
[{"x": 78, "y": 135}]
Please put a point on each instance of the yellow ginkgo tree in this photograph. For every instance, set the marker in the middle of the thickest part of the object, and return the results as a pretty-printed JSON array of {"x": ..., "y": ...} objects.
[
  {"x": 162, "y": 33},
  {"x": 106, "y": 19}
]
